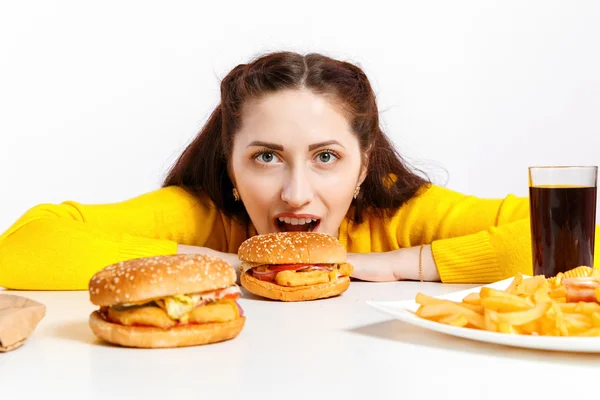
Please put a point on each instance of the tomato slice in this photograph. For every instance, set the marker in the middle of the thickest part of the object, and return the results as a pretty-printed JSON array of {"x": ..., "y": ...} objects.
[{"x": 287, "y": 267}]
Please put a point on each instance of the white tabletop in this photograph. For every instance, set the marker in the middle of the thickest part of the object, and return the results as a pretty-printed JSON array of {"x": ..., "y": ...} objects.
[{"x": 336, "y": 348}]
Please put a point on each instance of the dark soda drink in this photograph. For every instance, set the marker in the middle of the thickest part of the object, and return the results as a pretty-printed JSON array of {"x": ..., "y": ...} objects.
[{"x": 563, "y": 222}]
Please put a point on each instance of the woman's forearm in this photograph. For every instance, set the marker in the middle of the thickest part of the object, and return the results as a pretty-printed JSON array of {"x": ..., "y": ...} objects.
[
  {"x": 408, "y": 267},
  {"x": 397, "y": 265},
  {"x": 402, "y": 264}
]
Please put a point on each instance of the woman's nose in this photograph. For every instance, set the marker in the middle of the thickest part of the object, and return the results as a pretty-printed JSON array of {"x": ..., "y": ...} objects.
[{"x": 297, "y": 191}]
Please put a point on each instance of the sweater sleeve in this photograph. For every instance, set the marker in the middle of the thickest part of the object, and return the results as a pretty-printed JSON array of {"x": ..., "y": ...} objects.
[
  {"x": 474, "y": 239},
  {"x": 60, "y": 246}
]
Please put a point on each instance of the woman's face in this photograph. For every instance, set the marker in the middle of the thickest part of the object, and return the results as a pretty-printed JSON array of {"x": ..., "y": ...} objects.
[{"x": 296, "y": 163}]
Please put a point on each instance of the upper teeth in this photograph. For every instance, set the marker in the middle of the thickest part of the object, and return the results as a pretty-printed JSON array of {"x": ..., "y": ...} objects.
[{"x": 297, "y": 221}]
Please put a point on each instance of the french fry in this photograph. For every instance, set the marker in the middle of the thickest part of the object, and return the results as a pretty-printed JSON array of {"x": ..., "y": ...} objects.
[
  {"x": 559, "y": 318},
  {"x": 567, "y": 307},
  {"x": 477, "y": 309},
  {"x": 561, "y": 299},
  {"x": 558, "y": 292},
  {"x": 522, "y": 317},
  {"x": 504, "y": 327},
  {"x": 489, "y": 292},
  {"x": 587, "y": 308},
  {"x": 555, "y": 282},
  {"x": 517, "y": 280},
  {"x": 580, "y": 307},
  {"x": 455, "y": 320},
  {"x": 541, "y": 295},
  {"x": 578, "y": 317},
  {"x": 576, "y": 325},
  {"x": 545, "y": 326},
  {"x": 529, "y": 328},
  {"x": 448, "y": 308},
  {"x": 528, "y": 306},
  {"x": 506, "y": 304},
  {"x": 595, "y": 318},
  {"x": 425, "y": 300},
  {"x": 590, "y": 332},
  {"x": 529, "y": 286},
  {"x": 472, "y": 298},
  {"x": 488, "y": 323}
]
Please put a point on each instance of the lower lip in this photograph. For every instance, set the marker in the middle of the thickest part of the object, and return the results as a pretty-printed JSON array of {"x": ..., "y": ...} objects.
[{"x": 315, "y": 229}]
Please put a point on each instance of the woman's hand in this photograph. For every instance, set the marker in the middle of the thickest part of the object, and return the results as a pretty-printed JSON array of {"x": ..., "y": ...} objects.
[{"x": 397, "y": 265}]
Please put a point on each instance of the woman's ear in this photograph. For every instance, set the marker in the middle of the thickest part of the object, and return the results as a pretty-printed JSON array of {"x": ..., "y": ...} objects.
[
  {"x": 364, "y": 169},
  {"x": 363, "y": 174},
  {"x": 230, "y": 173}
]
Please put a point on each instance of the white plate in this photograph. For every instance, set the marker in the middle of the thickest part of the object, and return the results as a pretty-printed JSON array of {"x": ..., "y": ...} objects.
[{"x": 404, "y": 311}]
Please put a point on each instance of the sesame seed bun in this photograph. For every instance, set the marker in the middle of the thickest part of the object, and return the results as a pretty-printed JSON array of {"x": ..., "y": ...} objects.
[
  {"x": 149, "y": 278},
  {"x": 273, "y": 291},
  {"x": 292, "y": 248},
  {"x": 150, "y": 337}
]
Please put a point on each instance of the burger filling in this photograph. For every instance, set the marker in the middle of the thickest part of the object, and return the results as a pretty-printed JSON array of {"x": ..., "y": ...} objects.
[
  {"x": 298, "y": 274},
  {"x": 181, "y": 309}
]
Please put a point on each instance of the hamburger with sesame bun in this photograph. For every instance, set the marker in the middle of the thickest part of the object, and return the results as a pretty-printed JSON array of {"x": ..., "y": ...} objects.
[
  {"x": 166, "y": 301},
  {"x": 294, "y": 266}
]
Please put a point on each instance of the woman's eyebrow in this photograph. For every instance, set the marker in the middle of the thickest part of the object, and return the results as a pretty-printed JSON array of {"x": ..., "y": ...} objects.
[
  {"x": 268, "y": 145},
  {"x": 323, "y": 144},
  {"x": 278, "y": 147}
]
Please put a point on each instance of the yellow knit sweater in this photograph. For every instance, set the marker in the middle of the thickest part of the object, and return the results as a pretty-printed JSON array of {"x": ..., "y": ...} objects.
[{"x": 60, "y": 246}]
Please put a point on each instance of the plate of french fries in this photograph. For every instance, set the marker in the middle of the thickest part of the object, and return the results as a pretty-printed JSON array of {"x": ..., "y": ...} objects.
[{"x": 560, "y": 313}]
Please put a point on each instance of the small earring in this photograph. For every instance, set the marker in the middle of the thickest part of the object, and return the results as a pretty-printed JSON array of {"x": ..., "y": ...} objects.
[
  {"x": 236, "y": 195},
  {"x": 356, "y": 191}
]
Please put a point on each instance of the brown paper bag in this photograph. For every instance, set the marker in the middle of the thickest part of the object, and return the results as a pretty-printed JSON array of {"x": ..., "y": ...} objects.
[{"x": 19, "y": 316}]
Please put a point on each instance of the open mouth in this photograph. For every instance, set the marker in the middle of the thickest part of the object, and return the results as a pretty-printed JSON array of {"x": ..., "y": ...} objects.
[{"x": 296, "y": 224}]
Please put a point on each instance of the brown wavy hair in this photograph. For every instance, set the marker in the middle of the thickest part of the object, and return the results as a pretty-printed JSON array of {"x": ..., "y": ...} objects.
[{"x": 202, "y": 167}]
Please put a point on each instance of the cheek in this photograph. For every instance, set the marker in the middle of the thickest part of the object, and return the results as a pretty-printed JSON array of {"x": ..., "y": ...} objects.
[
  {"x": 341, "y": 182},
  {"x": 336, "y": 191},
  {"x": 258, "y": 192}
]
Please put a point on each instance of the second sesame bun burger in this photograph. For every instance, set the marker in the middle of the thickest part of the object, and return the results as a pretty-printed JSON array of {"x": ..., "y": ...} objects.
[
  {"x": 294, "y": 266},
  {"x": 166, "y": 301}
]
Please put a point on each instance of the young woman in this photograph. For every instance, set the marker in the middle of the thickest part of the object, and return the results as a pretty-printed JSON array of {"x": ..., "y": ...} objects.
[{"x": 295, "y": 144}]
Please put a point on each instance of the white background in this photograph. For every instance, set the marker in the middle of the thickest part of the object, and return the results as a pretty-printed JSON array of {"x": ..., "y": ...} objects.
[{"x": 98, "y": 98}]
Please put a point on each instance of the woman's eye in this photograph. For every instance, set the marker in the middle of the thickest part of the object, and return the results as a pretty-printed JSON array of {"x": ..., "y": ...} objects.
[
  {"x": 266, "y": 157},
  {"x": 326, "y": 157}
]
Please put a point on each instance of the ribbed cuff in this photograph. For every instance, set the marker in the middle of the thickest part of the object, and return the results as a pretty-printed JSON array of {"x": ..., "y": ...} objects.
[
  {"x": 467, "y": 259},
  {"x": 137, "y": 247}
]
